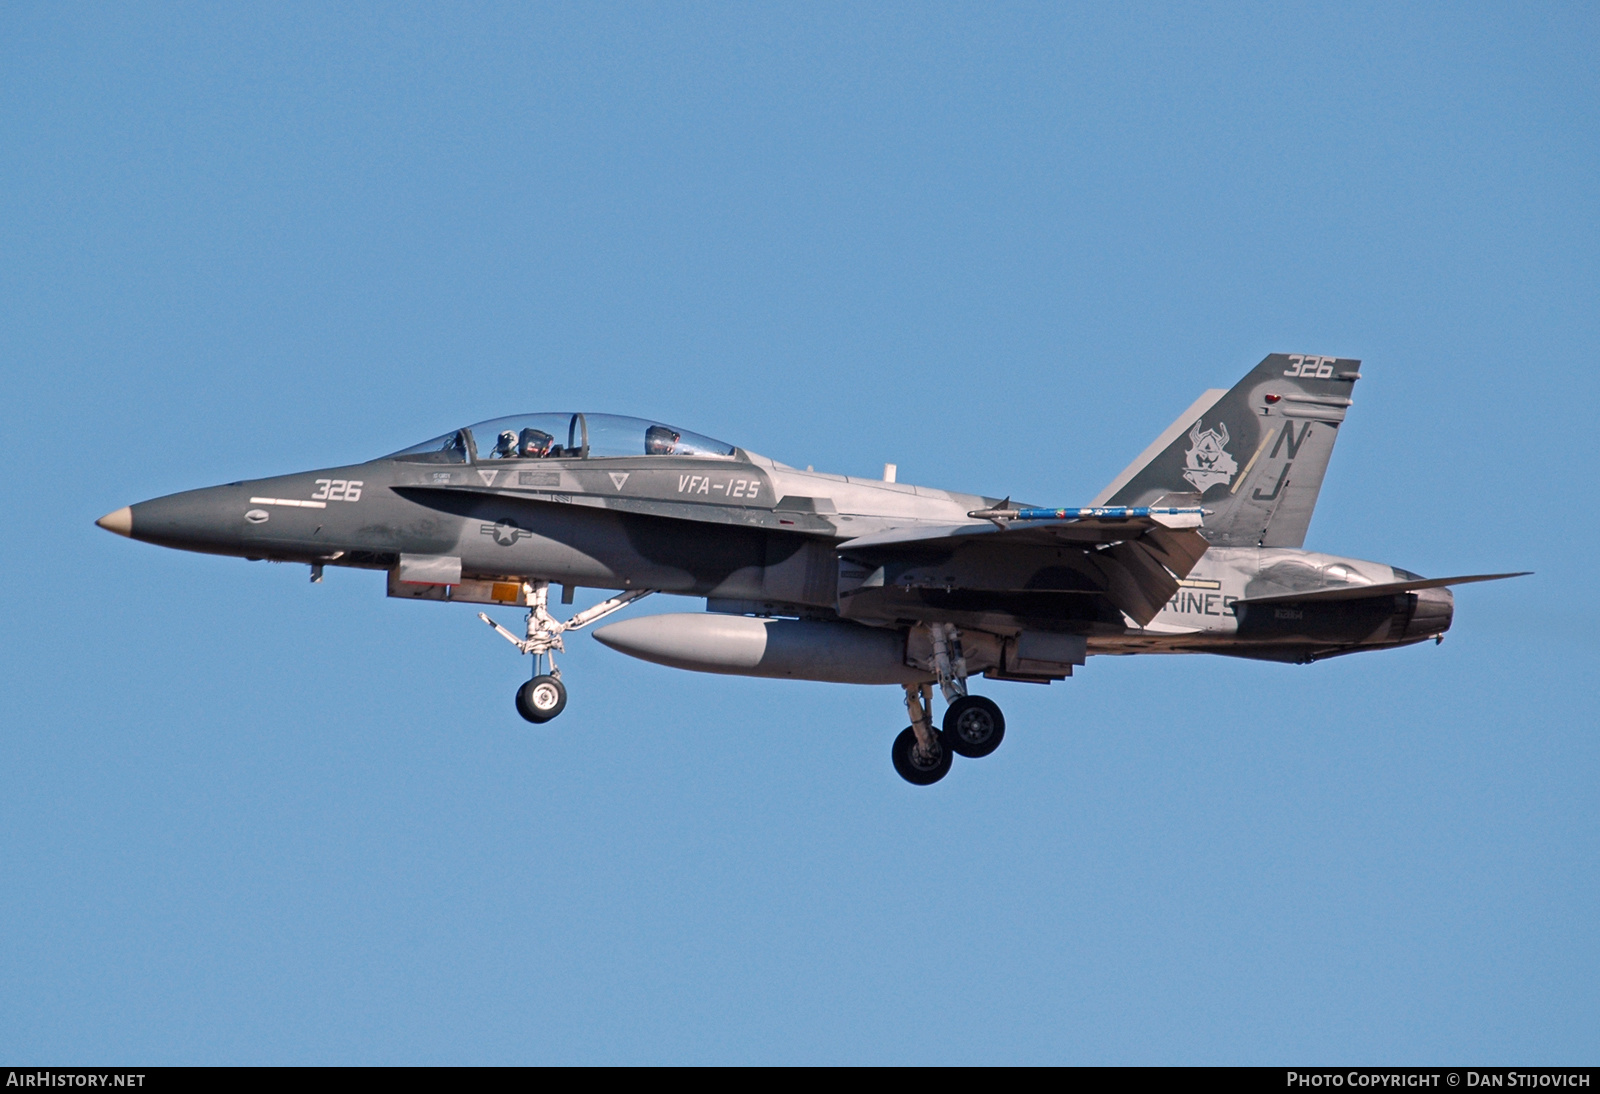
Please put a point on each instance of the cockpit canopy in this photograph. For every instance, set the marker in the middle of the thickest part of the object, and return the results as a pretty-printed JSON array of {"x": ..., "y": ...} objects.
[{"x": 561, "y": 436}]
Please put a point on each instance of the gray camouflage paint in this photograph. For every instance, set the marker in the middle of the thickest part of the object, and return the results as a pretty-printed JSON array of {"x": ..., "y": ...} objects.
[
  {"x": 1256, "y": 456},
  {"x": 756, "y": 535}
]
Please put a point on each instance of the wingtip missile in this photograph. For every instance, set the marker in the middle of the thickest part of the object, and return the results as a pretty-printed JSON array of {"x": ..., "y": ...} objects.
[{"x": 1102, "y": 512}]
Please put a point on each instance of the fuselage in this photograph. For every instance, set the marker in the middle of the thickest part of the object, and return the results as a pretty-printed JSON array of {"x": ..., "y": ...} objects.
[
  {"x": 755, "y": 536},
  {"x": 1206, "y": 615},
  {"x": 737, "y": 526}
]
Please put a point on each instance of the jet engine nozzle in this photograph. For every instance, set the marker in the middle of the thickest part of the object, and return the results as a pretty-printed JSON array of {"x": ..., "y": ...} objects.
[
  {"x": 1432, "y": 614},
  {"x": 737, "y": 645}
]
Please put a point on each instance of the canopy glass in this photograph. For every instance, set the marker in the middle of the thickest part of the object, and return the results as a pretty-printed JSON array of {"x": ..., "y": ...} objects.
[{"x": 561, "y": 436}]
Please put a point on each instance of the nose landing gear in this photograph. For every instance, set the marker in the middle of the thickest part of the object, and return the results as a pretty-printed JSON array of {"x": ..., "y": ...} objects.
[
  {"x": 545, "y": 696},
  {"x": 541, "y": 699}
]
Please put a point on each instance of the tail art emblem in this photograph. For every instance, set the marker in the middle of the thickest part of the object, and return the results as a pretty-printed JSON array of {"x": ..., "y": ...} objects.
[{"x": 1208, "y": 462}]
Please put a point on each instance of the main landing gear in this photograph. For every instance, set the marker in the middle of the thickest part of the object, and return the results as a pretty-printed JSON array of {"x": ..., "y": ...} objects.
[
  {"x": 545, "y": 696},
  {"x": 921, "y": 756},
  {"x": 973, "y": 726}
]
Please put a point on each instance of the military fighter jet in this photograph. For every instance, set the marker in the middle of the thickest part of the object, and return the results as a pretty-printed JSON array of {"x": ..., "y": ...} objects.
[{"x": 1194, "y": 548}]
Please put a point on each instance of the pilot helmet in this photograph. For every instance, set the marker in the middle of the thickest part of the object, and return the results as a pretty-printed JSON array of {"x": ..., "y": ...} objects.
[
  {"x": 660, "y": 441},
  {"x": 534, "y": 442},
  {"x": 506, "y": 445}
]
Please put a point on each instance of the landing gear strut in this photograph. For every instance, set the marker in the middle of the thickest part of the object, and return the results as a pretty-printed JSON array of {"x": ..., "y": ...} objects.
[
  {"x": 973, "y": 726},
  {"x": 920, "y": 755},
  {"x": 545, "y": 696}
]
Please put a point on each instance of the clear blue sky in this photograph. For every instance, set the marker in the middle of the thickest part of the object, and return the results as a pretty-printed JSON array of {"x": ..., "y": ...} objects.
[{"x": 248, "y": 819}]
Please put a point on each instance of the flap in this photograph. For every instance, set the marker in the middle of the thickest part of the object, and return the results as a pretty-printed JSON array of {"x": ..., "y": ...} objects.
[
  {"x": 1138, "y": 560},
  {"x": 1057, "y": 649}
]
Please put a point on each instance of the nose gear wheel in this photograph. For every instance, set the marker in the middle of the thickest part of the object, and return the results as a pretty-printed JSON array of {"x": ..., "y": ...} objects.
[
  {"x": 541, "y": 699},
  {"x": 544, "y": 696}
]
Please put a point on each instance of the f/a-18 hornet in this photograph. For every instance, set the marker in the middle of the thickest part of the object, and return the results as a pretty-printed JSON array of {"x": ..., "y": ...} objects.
[{"x": 1194, "y": 548}]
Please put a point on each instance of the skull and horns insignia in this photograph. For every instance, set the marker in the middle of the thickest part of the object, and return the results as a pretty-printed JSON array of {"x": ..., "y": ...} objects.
[{"x": 1207, "y": 462}]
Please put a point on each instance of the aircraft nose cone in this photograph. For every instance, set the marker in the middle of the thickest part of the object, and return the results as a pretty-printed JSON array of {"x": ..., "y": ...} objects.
[{"x": 120, "y": 521}]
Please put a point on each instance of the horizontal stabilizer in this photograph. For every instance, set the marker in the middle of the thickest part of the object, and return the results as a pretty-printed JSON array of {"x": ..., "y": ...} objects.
[{"x": 1359, "y": 592}]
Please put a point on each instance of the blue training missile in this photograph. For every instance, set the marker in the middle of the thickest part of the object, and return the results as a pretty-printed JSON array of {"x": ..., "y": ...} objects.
[{"x": 1111, "y": 512}]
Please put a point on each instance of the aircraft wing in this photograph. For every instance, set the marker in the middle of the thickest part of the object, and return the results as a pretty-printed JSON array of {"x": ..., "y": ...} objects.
[
  {"x": 1134, "y": 562},
  {"x": 1082, "y": 531},
  {"x": 1130, "y": 562},
  {"x": 1358, "y": 592}
]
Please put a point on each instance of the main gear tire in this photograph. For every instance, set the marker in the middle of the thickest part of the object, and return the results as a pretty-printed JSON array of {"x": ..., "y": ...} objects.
[
  {"x": 541, "y": 699},
  {"x": 915, "y": 768},
  {"x": 974, "y": 726}
]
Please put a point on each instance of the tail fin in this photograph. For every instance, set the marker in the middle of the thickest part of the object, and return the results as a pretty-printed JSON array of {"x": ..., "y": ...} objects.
[{"x": 1254, "y": 455}]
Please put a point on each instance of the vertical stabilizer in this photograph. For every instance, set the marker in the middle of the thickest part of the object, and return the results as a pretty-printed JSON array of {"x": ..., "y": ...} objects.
[{"x": 1254, "y": 455}]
